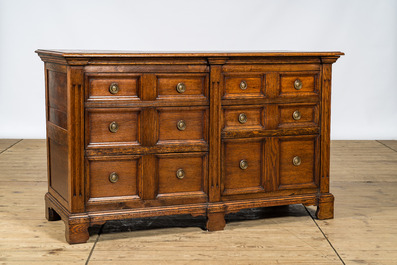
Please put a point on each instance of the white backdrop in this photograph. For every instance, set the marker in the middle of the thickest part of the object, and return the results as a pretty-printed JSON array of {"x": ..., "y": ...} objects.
[{"x": 364, "y": 99}]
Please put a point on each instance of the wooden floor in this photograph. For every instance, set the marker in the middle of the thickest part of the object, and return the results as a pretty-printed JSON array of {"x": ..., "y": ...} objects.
[{"x": 364, "y": 231}]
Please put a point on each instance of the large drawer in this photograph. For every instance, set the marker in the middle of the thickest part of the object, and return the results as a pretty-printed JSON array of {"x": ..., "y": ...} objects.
[{"x": 159, "y": 179}]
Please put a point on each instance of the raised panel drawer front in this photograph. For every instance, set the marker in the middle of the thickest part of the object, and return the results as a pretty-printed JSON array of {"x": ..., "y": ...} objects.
[
  {"x": 243, "y": 85},
  {"x": 298, "y": 115},
  {"x": 182, "y": 177},
  {"x": 112, "y": 127},
  {"x": 298, "y": 162},
  {"x": 182, "y": 87},
  {"x": 299, "y": 85},
  {"x": 243, "y": 118},
  {"x": 113, "y": 86},
  {"x": 113, "y": 177},
  {"x": 242, "y": 169},
  {"x": 183, "y": 125}
]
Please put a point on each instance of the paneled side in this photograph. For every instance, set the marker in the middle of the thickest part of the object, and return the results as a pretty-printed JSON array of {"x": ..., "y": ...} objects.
[
  {"x": 57, "y": 98},
  {"x": 58, "y": 161},
  {"x": 57, "y": 133}
]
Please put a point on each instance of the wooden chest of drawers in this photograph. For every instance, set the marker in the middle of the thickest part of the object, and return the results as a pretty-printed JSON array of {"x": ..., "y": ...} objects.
[{"x": 149, "y": 134}]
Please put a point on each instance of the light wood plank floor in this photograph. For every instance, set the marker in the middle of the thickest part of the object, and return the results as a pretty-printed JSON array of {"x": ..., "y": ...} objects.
[{"x": 364, "y": 231}]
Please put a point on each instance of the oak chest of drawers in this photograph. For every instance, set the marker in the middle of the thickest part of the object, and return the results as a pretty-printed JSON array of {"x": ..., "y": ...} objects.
[{"x": 149, "y": 134}]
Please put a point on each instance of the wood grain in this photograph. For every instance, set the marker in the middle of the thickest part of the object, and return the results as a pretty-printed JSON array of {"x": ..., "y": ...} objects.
[{"x": 160, "y": 130}]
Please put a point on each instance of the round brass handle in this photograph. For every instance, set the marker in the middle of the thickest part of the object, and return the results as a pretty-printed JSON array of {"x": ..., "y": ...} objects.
[
  {"x": 296, "y": 161},
  {"x": 243, "y": 85},
  {"x": 296, "y": 115},
  {"x": 113, "y": 177},
  {"x": 180, "y": 173},
  {"x": 298, "y": 84},
  {"x": 242, "y": 118},
  {"x": 180, "y": 87},
  {"x": 243, "y": 164},
  {"x": 113, "y": 127},
  {"x": 114, "y": 88},
  {"x": 181, "y": 125}
]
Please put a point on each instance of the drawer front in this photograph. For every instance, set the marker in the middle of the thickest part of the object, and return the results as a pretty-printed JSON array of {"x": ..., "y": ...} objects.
[
  {"x": 243, "y": 85},
  {"x": 112, "y": 126},
  {"x": 182, "y": 174},
  {"x": 295, "y": 115},
  {"x": 113, "y": 177},
  {"x": 183, "y": 125},
  {"x": 298, "y": 162},
  {"x": 243, "y": 117},
  {"x": 182, "y": 86},
  {"x": 113, "y": 86},
  {"x": 297, "y": 85},
  {"x": 242, "y": 164}
]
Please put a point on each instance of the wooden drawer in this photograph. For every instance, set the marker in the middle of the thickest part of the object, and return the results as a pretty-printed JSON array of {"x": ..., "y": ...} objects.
[
  {"x": 242, "y": 166},
  {"x": 182, "y": 174},
  {"x": 124, "y": 123},
  {"x": 113, "y": 86},
  {"x": 243, "y": 118},
  {"x": 299, "y": 85},
  {"x": 183, "y": 125},
  {"x": 243, "y": 85},
  {"x": 298, "y": 162},
  {"x": 113, "y": 177},
  {"x": 298, "y": 115},
  {"x": 182, "y": 86}
]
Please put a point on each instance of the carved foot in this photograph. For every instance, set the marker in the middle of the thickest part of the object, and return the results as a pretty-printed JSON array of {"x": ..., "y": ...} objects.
[
  {"x": 325, "y": 207},
  {"x": 76, "y": 230},
  {"x": 216, "y": 221}
]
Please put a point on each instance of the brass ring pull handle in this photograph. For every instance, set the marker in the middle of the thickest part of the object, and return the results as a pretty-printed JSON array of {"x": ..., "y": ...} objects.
[
  {"x": 114, "y": 88},
  {"x": 298, "y": 84},
  {"x": 296, "y": 115},
  {"x": 113, "y": 127},
  {"x": 296, "y": 161},
  {"x": 180, "y": 87},
  {"x": 242, "y": 118},
  {"x": 181, "y": 125},
  {"x": 243, "y": 164},
  {"x": 113, "y": 177},
  {"x": 243, "y": 85},
  {"x": 180, "y": 173}
]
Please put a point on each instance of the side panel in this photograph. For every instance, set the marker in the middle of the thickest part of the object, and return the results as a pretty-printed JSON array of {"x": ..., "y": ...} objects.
[{"x": 57, "y": 130}]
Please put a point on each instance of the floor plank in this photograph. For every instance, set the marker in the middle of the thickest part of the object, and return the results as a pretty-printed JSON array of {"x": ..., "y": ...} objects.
[
  {"x": 389, "y": 143},
  {"x": 6, "y": 143}
]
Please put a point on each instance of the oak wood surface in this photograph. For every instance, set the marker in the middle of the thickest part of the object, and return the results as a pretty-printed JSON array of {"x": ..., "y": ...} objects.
[{"x": 133, "y": 123}]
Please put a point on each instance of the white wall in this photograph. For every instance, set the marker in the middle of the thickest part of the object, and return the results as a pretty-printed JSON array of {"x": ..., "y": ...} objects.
[{"x": 364, "y": 98}]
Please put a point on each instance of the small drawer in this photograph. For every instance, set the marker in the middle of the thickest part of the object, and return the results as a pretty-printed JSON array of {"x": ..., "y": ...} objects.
[
  {"x": 182, "y": 86},
  {"x": 299, "y": 85},
  {"x": 105, "y": 87},
  {"x": 182, "y": 173},
  {"x": 298, "y": 115},
  {"x": 242, "y": 166},
  {"x": 297, "y": 162},
  {"x": 115, "y": 176},
  {"x": 183, "y": 125},
  {"x": 243, "y": 86},
  {"x": 243, "y": 118},
  {"x": 112, "y": 126}
]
